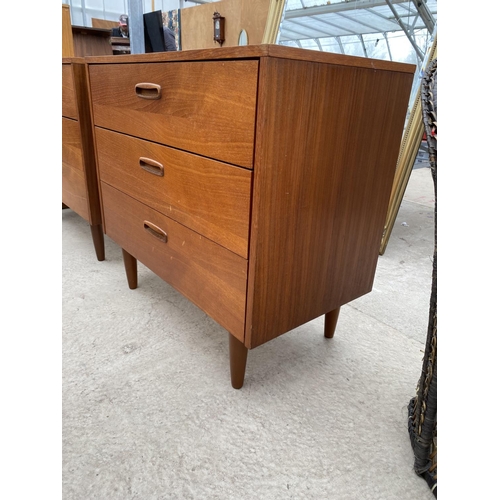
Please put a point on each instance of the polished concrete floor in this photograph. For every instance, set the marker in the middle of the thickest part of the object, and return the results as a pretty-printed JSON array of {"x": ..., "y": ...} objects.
[{"x": 149, "y": 412}]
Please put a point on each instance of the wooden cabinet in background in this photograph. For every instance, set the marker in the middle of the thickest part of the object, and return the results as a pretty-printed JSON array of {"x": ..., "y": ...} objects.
[
  {"x": 120, "y": 45},
  {"x": 81, "y": 41},
  {"x": 91, "y": 41},
  {"x": 79, "y": 179},
  {"x": 68, "y": 49},
  {"x": 255, "y": 180}
]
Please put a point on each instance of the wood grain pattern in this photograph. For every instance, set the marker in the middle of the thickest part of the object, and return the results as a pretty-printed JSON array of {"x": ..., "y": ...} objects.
[
  {"x": 324, "y": 165},
  {"x": 83, "y": 100},
  {"x": 197, "y": 26},
  {"x": 215, "y": 54},
  {"x": 104, "y": 24},
  {"x": 68, "y": 49},
  {"x": 210, "y": 276},
  {"x": 97, "y": 233},
  {"x": 205, "y": 107},
  {"x": 130, "y": 263},
  {"x": 321, "y": 133},
  {"x": 79, "y": 174},
  {"x": 237, "y": 361},
  {"x": 69, "y": 108},
  {"x": 72, "y": 154},
  {"x": 91, "y": 41},
  {"x": 210, "y": 197},
  {"x": 331, "y": 319},
  {"x": 258, "y": 51},
  {"x": 74, "y": 191}
]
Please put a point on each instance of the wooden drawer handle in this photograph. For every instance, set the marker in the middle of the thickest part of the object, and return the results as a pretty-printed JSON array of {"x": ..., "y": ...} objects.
[
  {"x": 148, "y": 90},
  {"x": 151, "y": 166},
  {"x": 155, "y": 231}
]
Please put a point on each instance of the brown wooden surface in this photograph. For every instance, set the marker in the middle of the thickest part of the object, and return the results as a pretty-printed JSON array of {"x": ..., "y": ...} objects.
[
  {"x": 197, "y": 30},
  {"x": 258, "y": 51},
  {"x": 74, "y": 191},
  {"x": 79, "y": 175},
  {"x": 253, "y": 19},
  {"x": 237, "y": 361},
  {"x": 210, "y": 276},
  {"x": 69, "y": 108},
  {"x": 331, "y": 319},
  {"x": 72, "y": 154},
  {"x": 208, "y": 196},
  {"x": 130, "y": 263},
  {"x": 83, "y": 99},
  {"x": 68, "y": 49},
  {"x": 91, "y": 41},
  {"x": 326, "y": 148},
  {"x": 215, "y": 54},
  {"x": 104, "y": 24},
  {"x": 205, "y": 107},
  {"x": 98, "y": 240},
  {"x": 120, "y": 45}
]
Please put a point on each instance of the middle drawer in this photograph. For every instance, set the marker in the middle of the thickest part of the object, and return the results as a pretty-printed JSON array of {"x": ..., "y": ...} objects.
[{"x": 208, "y": 196}]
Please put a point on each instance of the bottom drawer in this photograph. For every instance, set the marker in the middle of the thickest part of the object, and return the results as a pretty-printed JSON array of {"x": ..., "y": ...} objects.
[
  {"x": 207, "y": 274},
  {"x": 74, "y": 191}
]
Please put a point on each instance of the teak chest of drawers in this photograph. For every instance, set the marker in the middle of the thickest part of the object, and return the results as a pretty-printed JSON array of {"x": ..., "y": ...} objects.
[
  {"x": 79, "y": 178},
  {"x": 255, "y": 180}
]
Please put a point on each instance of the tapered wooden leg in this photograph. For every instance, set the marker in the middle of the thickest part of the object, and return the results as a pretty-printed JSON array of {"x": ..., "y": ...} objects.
[
  {"x": 237, "y": 361},
  {"x": 130, "y": 269},
  {"x": 331, "y": 322},
  {"x": 98, "y": 239}
]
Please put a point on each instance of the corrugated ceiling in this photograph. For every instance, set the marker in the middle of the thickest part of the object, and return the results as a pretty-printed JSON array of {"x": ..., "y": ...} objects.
[{"x": 306, "y": 19}]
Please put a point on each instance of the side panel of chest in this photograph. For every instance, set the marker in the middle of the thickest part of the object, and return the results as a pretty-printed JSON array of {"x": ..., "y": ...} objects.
[{"x": 325, "y": 161}]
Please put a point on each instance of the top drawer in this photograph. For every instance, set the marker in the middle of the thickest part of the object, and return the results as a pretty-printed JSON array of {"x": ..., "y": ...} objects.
[
  {"x": 69, "y": 109},
  {"x": 205, "y": 107}
]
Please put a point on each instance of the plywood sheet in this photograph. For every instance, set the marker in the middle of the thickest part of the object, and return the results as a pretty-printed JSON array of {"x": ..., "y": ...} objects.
[{"x": 197, "y": 23}]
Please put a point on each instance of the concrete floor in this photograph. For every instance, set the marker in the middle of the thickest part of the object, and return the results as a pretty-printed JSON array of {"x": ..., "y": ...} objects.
[{"x": 149, "y": 412}]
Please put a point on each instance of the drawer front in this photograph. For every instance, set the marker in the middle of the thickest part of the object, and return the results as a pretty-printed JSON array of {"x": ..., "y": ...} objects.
[
  {"x": 205, "y": 107},
  {"x": 69, "y": 108},
  {"x": 74, "y": 191},
  {"x": 210, "y": 197},
  {"x": 210, "y": 276},
  {"x": 72, "y": 153}
]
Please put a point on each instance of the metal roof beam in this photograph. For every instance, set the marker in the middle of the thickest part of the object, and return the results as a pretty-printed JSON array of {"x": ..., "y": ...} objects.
[
  {"x": 425, "y": 14},
  {"x": 363, "y": 45},
  {"x": 310, "y": 28},
  {"x": 337, "y": 7},
  {"x": 300, "y": 34},
  {"x": 388, "y": 19},
  {"x": 404, "y": 28},
  {"x": 388, "y": 46},
  {"x": 318, "y": 43},
  {"x": 339, "y": 41},
  {"x": 345, "y": 16},
  {"x": 393, "y": 19},
  {"x": 333, "y": 25}
]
